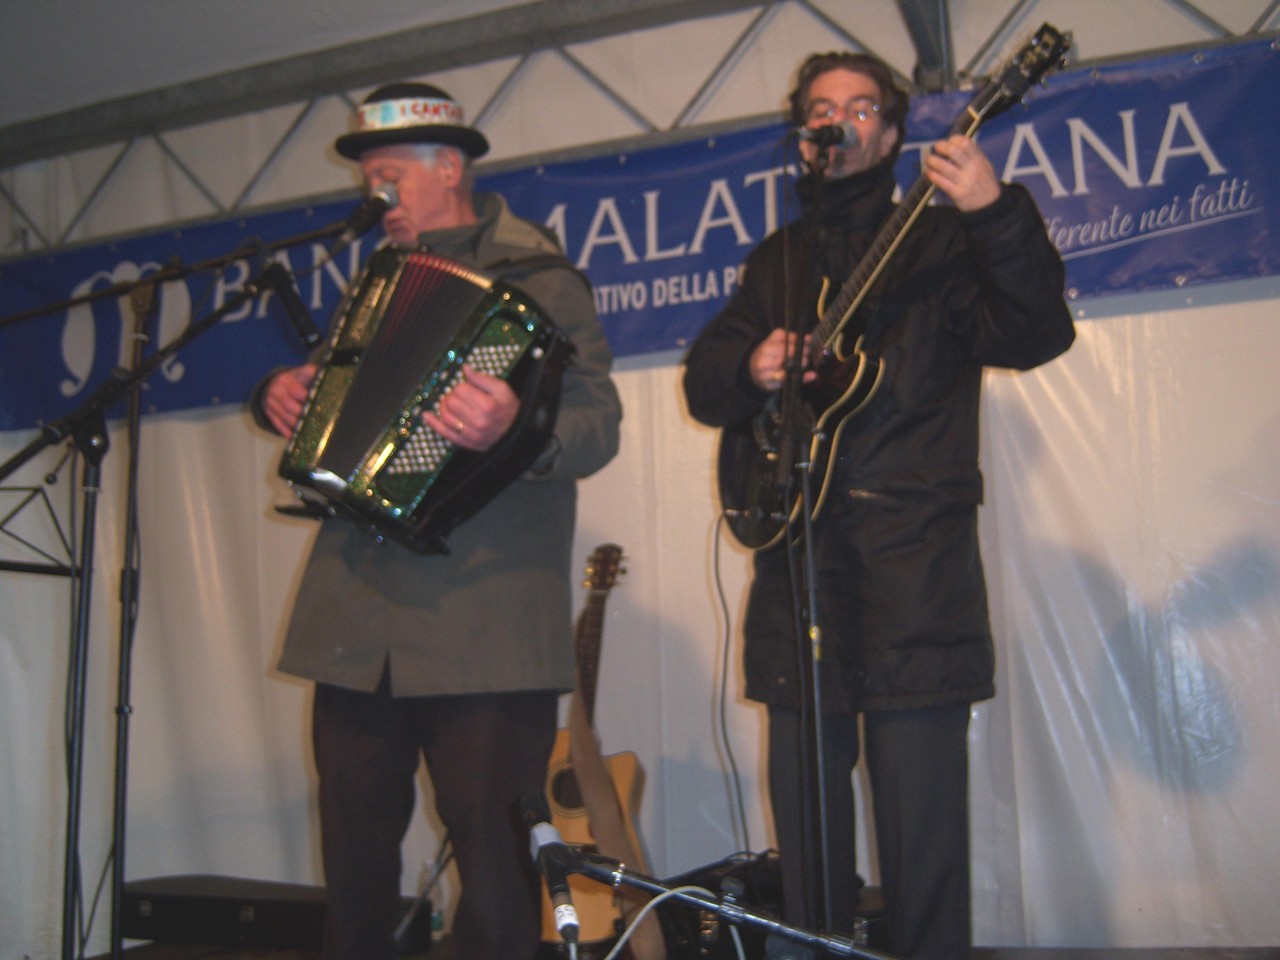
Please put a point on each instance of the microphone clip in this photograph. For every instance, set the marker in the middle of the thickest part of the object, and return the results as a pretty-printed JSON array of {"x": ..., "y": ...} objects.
[
  {"x": 367, "y": 215},
  {"x": 555, "y": 861}
]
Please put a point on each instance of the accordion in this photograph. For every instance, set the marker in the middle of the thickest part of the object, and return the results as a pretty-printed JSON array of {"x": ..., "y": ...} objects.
[{"x": 361, "y": 448}]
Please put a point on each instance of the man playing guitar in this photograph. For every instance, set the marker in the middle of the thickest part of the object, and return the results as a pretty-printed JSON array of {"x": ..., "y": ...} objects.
[{"x": 892, "y": 553}]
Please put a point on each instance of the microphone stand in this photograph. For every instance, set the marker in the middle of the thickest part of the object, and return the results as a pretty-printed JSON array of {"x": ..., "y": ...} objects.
[
  {"x": 794, "y": 459},
  {"x": 86, "y": 428},
  {"x": 615, "y": 873},
  {"x": 177, "y": 272},
  {"x": 143, "y": 301}
]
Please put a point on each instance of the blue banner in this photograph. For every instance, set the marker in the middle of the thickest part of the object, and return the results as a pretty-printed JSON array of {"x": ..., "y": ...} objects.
[{"x": 1149, "y": 176}]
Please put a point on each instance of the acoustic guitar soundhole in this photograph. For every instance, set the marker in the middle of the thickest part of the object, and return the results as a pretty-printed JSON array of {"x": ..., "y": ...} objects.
[{"x": 565, "y": 791}]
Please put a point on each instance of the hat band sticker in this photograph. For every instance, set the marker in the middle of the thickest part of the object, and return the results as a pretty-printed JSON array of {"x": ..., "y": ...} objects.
[{"x": 411, "y": 112}]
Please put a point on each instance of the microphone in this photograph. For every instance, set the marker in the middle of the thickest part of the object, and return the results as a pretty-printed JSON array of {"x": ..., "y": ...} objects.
[
  {"x": 555, "y": 861},
  {"x": 370, "y": 211},
  {"x": 276, "y": 278},
  {"x": 830, "y": 135}
]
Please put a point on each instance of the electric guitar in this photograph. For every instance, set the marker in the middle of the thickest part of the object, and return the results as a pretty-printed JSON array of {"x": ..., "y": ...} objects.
[
  {"x": 593, "y": 798},
  {"x": 755, "y": 467}
]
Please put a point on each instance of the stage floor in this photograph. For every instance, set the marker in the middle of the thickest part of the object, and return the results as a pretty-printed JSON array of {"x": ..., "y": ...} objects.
[
  {"x": 441, "y": 951},
  {"x": 234, "y": 916}
]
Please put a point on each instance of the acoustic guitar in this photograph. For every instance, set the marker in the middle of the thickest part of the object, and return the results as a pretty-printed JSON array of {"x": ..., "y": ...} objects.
[
  {"x": 755, "y": 473},
  {"x": 593, "y": 798}
]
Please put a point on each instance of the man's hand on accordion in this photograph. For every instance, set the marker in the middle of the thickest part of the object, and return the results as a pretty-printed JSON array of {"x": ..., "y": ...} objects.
[
  {"x": 476, "y": 412},
  {"x": 285, "y": 396}
]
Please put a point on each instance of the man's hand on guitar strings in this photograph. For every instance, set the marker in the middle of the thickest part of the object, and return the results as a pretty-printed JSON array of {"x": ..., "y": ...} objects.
[{"x": 769, "y": 360}]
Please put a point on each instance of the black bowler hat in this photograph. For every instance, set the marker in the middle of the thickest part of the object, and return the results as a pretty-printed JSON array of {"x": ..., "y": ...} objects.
[{"x": 410, "y": 113}]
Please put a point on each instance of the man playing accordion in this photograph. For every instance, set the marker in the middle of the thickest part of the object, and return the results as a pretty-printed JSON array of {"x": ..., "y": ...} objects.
[{"x": 455, "y": 657}]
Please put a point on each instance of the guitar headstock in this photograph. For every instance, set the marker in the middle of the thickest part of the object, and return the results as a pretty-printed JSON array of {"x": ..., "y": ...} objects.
[
  {"x": 1045, "y": 51},
  {"x": 604, "y": 566}
]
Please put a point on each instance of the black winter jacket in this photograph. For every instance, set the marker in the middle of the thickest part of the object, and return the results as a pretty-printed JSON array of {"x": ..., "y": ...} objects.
[{"x": 900, "y": 591}]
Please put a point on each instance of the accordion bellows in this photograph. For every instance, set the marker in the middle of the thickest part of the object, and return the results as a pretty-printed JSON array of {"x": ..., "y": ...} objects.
[{"x": 361, "y": 448}]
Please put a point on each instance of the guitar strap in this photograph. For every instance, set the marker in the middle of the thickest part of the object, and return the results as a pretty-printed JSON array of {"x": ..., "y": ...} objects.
[{"x": 612, "y": 837}]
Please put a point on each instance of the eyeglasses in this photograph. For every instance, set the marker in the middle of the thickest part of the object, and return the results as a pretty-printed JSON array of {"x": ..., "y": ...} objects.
[{"x": 859, "y": 108}]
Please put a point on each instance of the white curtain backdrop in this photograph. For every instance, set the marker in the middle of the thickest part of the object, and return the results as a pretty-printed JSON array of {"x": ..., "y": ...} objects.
[{"x": 1124, "y": 778}]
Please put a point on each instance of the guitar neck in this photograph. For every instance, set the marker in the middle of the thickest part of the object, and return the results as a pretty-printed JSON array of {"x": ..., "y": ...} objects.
[
  {"x": 602, "y": 572},
  {"x": 886, "y": 242},
  {"x": 587, "y": 636}
]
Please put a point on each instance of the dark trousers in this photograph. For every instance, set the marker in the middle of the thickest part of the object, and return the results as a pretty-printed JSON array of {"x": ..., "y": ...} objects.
[
  {"x": 484, "y": 753},
  {"x": 917, "y": 762}
]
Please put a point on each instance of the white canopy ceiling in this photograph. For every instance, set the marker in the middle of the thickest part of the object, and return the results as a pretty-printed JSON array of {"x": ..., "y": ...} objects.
[{"x": 158, "y": 60}]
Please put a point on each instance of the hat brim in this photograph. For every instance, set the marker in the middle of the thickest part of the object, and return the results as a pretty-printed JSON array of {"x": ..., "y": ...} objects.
[{"x": 472, "y": 142}]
